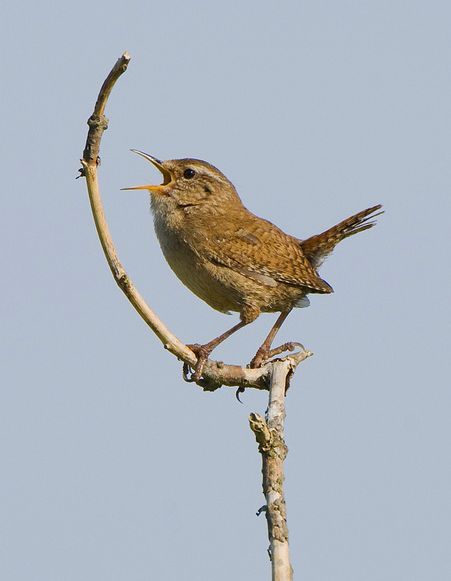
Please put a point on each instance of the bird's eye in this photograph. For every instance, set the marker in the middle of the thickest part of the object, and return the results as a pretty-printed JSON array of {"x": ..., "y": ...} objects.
[{"x": 189, "y": 173}]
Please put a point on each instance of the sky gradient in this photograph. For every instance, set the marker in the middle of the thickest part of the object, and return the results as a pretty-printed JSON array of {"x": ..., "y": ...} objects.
[{"x": 114, "y": 468}]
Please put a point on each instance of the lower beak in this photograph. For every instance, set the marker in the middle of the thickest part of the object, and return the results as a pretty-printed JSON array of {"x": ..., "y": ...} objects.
[{"x": 167, "y": 178}]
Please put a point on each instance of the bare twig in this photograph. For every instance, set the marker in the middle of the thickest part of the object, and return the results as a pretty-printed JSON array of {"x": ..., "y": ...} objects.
[
  {"x": 269, "y": 434},
  {"x": 98, "y": 122}
]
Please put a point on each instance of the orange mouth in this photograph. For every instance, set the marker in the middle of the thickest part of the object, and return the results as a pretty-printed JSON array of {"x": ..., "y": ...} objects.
[{"x": 167, "y": 178}]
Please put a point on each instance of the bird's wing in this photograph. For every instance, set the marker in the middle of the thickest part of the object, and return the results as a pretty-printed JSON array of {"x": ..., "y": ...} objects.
[{"x": 261, "y": 251}]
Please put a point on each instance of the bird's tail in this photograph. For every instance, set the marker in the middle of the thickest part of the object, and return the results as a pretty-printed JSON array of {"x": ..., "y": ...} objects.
[{"x": 316, "y": 248}]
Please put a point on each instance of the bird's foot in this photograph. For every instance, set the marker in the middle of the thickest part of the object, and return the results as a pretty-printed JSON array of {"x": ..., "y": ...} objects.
[
  {"x": 264, "y": 354},
  {"x": 202, "y": 352}
]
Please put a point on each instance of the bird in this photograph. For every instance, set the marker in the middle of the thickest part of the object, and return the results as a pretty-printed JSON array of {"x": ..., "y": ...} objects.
[{"x": 232, "y": 259}]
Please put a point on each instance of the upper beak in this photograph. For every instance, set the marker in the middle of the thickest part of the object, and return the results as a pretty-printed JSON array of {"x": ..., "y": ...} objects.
[{"x": 167, "y": 178}]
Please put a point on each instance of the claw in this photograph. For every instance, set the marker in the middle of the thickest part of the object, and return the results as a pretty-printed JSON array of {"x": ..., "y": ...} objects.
[
  {"x": 187, "y": 373},
  {"x": 264, "y": 355},
  {"x": 237, "y": 393},
  {"x": 263, "y": 508},
  {"x": 202, "y": 354},
  {"x": 290, "y": 346}
]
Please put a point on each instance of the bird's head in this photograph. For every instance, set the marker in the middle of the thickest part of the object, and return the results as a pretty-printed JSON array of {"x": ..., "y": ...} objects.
[{"x": 189, "y": 183}]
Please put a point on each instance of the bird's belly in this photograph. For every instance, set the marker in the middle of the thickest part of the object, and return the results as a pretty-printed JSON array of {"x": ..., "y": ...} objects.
[
  {"x": 223, "y": 288},
  {"x": 200, "y": 276}
]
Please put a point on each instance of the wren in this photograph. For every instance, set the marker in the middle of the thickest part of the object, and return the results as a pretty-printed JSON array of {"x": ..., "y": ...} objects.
[{"x": 232, "y": 259}]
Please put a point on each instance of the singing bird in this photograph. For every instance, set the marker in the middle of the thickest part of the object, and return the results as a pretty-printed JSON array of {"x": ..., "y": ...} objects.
[{"x": 232, "y": 259}]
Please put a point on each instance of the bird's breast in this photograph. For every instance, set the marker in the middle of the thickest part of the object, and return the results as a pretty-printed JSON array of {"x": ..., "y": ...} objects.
[
  {"x": 222, "y": 287},
  {"x": 195, "y": 271}
]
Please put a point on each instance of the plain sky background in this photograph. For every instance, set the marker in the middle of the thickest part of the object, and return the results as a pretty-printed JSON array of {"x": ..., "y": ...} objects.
[{"x": 113, "y": 468}]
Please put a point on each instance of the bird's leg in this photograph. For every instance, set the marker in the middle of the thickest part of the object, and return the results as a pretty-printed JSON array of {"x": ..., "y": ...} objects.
[
  {"x": 265, "y": 352},
  {"x": 202, "y": 352}
]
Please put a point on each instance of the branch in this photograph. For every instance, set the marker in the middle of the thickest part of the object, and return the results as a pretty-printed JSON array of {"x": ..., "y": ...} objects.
[
  {"x": 269, "y": 434},
  {"x": 215, "y": 373},
  {"x": 98, "y": 122},
  {"x": 274, "y": 375}
]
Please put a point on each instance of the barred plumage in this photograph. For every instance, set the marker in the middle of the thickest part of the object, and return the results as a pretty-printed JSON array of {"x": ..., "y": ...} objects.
[{"x": 318, "y": 247}]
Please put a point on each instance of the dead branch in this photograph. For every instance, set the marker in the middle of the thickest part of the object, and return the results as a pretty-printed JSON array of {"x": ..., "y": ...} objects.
[{"x": 269, "y": 433}]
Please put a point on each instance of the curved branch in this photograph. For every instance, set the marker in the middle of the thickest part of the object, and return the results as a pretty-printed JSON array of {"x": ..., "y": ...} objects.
[
  {"x": 215, "y": 373},
  {"x": 273, "y": 376}
]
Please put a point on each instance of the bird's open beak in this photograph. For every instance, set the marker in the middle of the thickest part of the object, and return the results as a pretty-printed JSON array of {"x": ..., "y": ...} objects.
[{"x": 167, "y": 178}]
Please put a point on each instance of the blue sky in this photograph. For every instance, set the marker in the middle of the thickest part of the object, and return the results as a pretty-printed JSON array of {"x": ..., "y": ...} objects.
[{"x": 113, "y": 467}]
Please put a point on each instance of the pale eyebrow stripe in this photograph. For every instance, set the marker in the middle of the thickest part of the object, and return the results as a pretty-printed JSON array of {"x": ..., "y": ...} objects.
[{"x": 210, "y": 173}]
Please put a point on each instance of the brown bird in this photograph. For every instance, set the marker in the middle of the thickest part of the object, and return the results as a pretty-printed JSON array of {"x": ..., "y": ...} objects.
[{"x": 232, "y": 259}]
